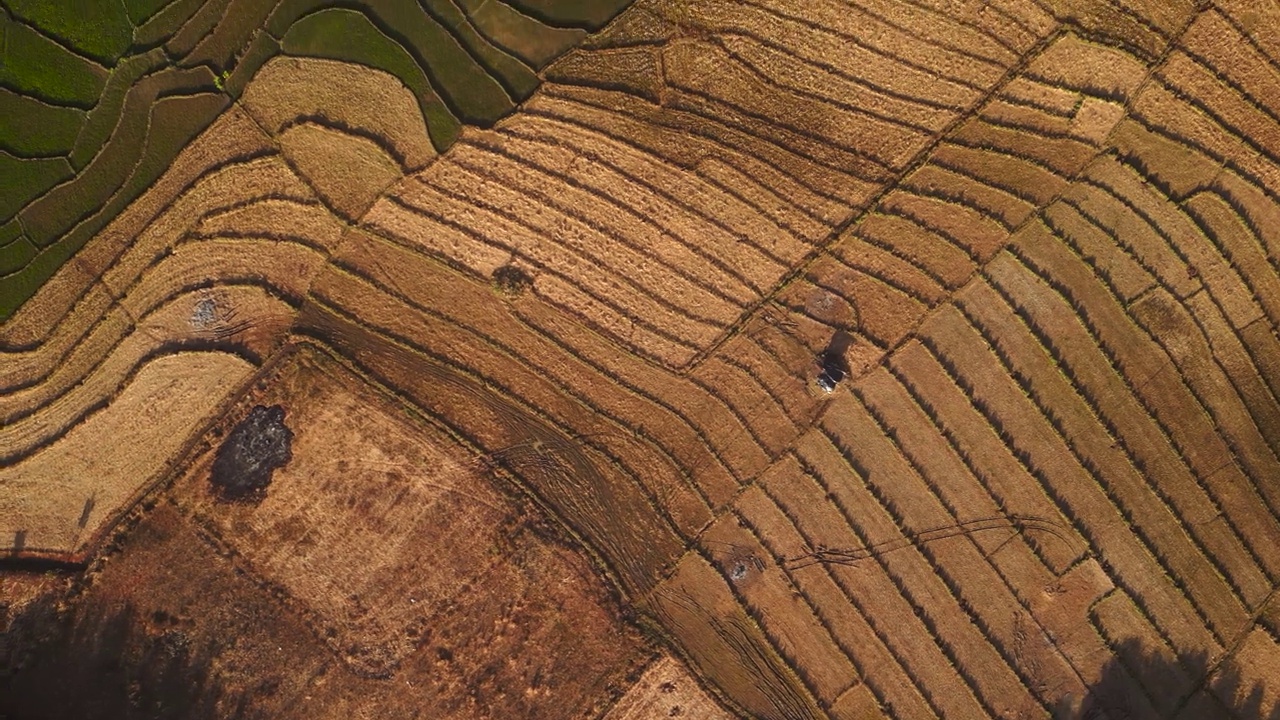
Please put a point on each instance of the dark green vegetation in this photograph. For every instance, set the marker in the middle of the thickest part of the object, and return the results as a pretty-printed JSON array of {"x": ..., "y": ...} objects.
[
  {"x": 98, "y": 30},
  {"x": 39, "y": 67},
  {"x": 96, "y": 99}
]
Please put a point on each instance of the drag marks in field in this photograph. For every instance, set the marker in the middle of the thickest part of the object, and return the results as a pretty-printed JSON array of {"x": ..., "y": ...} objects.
[
  {"x": 569, "y": 476},
  {"x": 521, "y": 364},
  {"x": 696, "y": 605},
  {"x": 666, "y": 687}
]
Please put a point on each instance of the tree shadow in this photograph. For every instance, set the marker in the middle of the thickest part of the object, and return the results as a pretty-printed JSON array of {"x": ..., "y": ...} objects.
[
  {"x": 832, "y": 365},
  {"x": 107, "y": 662},
  {"x": 1142, "y": 682},
  {"x": 103, "y": 664}
]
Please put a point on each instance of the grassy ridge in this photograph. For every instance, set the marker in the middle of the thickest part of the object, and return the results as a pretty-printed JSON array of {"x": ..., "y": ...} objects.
[
  {"x": 162, "y": 25},
  {"x": 470, "y": 90},
  {"x": 518, "y": 80},
  {"x": 105, "y": 118},
  {"x": 587, "y": 14},
  {"x": 16, "y": 255},
  {"x": 48, "y": 218},
  {"x": 322, "y": 33}
]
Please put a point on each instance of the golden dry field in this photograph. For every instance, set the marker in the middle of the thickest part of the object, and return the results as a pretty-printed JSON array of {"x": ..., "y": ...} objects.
[{"x": 776, "y": 359}]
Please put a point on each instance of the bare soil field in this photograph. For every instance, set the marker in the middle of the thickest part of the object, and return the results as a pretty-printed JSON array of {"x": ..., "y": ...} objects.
[
  {"x": 377, "y": 529},
  {"x": 666, "y": 690},
  {"x": 544, "y": 359},
  {"x": 419, "y": 498}
]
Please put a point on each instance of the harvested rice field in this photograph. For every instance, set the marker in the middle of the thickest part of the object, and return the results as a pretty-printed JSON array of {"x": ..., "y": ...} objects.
[{"x": 640, "y": 359}]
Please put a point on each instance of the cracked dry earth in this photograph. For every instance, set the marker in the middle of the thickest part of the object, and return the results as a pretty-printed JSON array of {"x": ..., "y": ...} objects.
[{"x": 558, "y": 449}]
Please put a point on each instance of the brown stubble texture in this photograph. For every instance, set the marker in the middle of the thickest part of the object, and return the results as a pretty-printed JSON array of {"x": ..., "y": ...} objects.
[{"x": 1038, "y": 236}]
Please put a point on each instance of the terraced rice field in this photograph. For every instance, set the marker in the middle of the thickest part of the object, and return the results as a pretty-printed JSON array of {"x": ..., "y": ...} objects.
[{"x": 542, "y": 295}]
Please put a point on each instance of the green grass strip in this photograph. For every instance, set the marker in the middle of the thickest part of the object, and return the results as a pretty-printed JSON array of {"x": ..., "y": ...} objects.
[
  {"x": 16, "y": 255},
  {"x": 98, "y": 29},
  {"x": 34, "y": 65},
  {"x": 261, "y": 49},
  {"x": 104, "y": 118},
  {"x": 200, "y": 25},
  {"x": 516, "y": 77},
  {"x": 472, "y": 94},
  {"x": 10, "y": 232},
  {"x": 17, "y": 288},
  {"x": 243, "y": 18},
  {"x": 30, "y": 128},
  {"x": 165, "y": 23},
  {"x": 348, "y": 35},
  {"x": 586, "y": 14},
  {"x": 177, "y": 120},
  {"x": 288, "y": 12},
  {"x": 60, "y": 209},
  {"x": 21, "y": 180},
  {"x": 141, "y": 10}
]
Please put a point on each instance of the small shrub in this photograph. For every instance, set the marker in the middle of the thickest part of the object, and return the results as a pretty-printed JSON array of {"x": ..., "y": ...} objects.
[{"x": 511, "y": 280}]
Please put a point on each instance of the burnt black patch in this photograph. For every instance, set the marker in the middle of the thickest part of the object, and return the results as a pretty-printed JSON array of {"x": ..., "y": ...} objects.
[{"x": 258, "y": 445}]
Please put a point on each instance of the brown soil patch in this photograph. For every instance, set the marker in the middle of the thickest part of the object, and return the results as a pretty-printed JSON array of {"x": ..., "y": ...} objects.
[
  {"x": 372, "y": 524},
  {"x": 383, "y": 572},
  {"x": 666, "y": 690},
  {"x": 378, "y": 530}
]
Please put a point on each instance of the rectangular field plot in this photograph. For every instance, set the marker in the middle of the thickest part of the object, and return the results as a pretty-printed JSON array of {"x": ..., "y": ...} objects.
[{"x": 377, "y": 529}]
